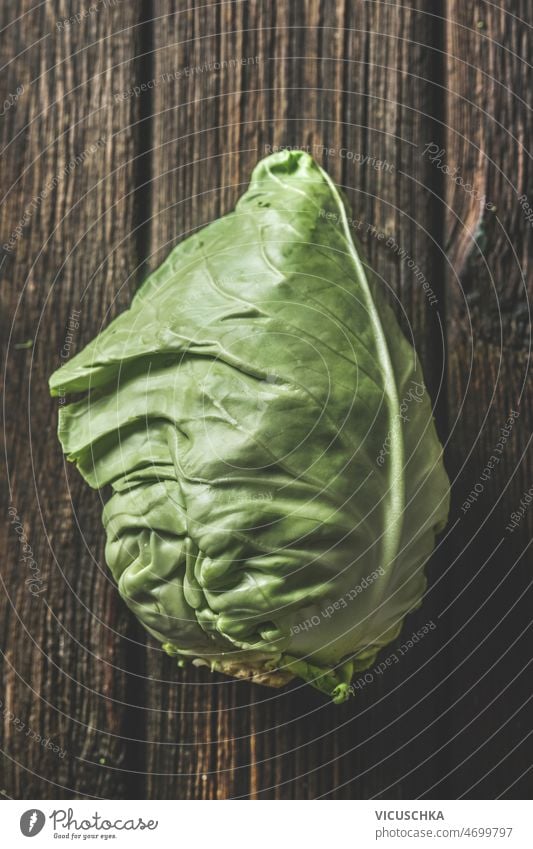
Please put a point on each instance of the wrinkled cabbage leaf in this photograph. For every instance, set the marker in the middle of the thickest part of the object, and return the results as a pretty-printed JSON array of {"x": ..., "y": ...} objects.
[{"x": 277, "y": 481}]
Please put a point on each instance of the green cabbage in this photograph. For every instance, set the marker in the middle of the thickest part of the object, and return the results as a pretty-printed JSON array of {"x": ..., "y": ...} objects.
[{"x": 263, "y": 423}]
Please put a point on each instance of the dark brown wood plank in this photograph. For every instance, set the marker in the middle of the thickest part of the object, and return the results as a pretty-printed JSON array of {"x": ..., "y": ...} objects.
[
  {"x": 489, "y": 249},
  {"x": 68, "y": 164},
  {"x": 348, "y": 81}
]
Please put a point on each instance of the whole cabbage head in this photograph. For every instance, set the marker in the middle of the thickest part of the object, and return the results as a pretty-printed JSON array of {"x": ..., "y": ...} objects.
[{"x": 264, "y": 425}]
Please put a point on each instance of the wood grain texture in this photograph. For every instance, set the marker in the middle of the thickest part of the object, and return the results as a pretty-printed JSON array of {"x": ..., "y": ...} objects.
[
  {"x": 68, "y": 164},
  {"x": 186, "y": 99},
  {"x": 489, "y": 252}
]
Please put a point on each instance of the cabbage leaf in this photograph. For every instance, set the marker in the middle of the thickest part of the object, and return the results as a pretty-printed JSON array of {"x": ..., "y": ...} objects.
[{"x": 277, "y": 481}]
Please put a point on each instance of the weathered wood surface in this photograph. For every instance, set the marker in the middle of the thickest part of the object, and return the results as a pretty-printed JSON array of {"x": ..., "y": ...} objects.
[
  {"x": 489, "y": 247},
  {"x": 381, "y": 80},
  {"x": 66, "y": 648}
]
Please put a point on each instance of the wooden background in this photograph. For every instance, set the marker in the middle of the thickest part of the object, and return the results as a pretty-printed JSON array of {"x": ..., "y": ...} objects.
[{"x": 381, "y": 79}]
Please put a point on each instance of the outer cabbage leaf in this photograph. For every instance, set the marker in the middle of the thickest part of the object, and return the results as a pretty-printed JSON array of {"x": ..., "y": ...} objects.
[{"x": 263, "y": 423}]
